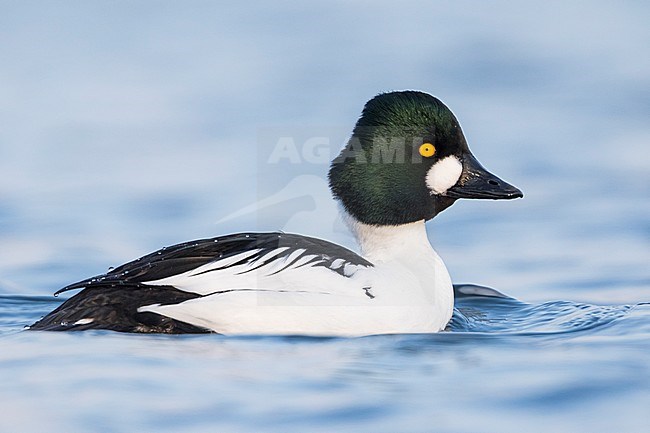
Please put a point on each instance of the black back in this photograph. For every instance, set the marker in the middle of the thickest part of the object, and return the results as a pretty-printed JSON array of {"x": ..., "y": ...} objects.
[{"x": 180, "y": 258}]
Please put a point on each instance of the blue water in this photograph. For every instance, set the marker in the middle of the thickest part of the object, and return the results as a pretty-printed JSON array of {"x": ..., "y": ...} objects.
[
  {"x": 559, "y": 365},
  {"x": 126, "y": 127}
]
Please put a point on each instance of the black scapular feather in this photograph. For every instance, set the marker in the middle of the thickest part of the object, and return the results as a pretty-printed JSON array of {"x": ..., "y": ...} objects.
[{"x": 111, "y": 300}]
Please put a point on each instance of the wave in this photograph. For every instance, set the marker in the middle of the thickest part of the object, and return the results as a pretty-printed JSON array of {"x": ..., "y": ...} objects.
[{"x": 479, "y": 310}]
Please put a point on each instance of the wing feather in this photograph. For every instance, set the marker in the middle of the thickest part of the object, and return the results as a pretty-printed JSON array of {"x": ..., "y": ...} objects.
[{"x": 256, "y": 249}]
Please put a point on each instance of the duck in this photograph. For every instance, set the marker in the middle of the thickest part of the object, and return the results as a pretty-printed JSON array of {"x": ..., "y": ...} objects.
[{"x": 406, "y": 161}]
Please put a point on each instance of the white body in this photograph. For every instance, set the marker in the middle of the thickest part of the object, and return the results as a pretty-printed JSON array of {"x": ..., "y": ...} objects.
[{"x": 407, "y": 291}]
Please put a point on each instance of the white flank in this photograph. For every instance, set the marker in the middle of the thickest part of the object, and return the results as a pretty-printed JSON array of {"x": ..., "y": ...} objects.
[
  {"x": 408, "y": 290},
  {"x": 444, "y": 174}
]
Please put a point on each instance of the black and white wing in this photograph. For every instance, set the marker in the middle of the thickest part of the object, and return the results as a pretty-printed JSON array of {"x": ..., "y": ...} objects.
[{"x": 191, "y": 270}]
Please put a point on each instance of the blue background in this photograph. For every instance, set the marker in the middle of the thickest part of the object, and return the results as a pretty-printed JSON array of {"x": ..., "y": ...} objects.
[{"x": 127, "y": 126}]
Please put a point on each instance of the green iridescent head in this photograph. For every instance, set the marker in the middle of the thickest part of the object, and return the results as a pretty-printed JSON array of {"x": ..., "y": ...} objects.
[{"x": 407, "y": 160}]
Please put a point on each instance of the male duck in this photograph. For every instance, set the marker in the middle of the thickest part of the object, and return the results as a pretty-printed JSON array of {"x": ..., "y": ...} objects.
[{"x": 407, "y": 160}]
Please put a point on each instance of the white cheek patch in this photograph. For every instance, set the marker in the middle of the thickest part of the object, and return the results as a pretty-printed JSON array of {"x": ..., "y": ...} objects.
[{"x": 444, "y": 174}]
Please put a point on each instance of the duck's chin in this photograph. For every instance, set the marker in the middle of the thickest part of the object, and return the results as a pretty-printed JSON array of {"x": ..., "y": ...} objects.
[
  {"x": 440, "y": 203},
  {"x": 435, "y": 205}
]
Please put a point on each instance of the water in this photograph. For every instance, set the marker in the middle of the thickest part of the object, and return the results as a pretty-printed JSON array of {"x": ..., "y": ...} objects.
[
  {"x": 126, "y": 128},
  {"x": 502, "y": 364}
]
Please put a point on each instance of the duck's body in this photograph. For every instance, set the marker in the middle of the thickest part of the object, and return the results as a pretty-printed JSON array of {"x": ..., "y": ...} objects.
[
  {"x": 277, "y": 283},
  {"x": 271, "y": 283}
]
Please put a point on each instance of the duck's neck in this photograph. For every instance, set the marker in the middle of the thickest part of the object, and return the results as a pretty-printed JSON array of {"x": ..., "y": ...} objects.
[
  {"x": 388, "y": 243},
  {"x": 405, "y": 251}
]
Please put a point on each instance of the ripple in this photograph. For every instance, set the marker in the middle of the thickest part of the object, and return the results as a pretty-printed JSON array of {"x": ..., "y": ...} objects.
[
  {"x": 478, "y": 310},
  {"x": 505, "y": 315}
]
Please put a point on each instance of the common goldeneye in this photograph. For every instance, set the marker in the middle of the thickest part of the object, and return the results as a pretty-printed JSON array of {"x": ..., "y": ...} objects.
[{"x": 406, "y": 161}]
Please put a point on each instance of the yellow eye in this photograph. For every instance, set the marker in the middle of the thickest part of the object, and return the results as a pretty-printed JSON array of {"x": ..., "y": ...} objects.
[{"x": 427, "y": 150}]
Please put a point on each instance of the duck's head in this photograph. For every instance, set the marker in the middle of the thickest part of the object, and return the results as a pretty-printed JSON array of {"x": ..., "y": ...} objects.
[{"x": 408, "y": 160}]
